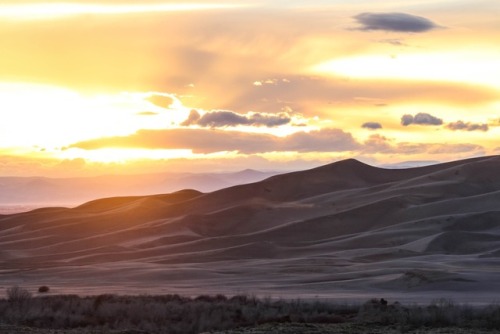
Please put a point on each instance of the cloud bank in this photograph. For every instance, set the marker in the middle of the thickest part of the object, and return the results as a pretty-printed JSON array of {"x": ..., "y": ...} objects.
[
  {"x": 211, "y": 141},
  {"x": 329, "y": 140}
]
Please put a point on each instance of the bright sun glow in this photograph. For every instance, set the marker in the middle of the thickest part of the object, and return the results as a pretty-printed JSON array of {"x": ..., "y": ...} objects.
[
  {"x": 50, "y": 117},
  {"x": 55, "y": 10},
  {"x": 466, "y": 67}
]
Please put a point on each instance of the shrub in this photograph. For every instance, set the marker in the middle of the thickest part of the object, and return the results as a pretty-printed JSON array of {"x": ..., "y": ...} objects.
[
  {"x": 43, "y": 289},
  {"x": 18, "y": 295}
]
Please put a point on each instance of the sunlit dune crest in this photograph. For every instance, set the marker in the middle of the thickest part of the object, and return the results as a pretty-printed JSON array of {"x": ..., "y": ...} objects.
[{"x": 56, "y": 10}]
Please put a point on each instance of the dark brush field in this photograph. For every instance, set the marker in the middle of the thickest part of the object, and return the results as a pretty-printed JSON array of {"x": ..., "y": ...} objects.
[{"x": 173, "y": 314}]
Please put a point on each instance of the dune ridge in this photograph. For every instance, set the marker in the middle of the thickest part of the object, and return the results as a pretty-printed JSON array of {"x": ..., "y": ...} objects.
[{"x": 343, "y": 228}]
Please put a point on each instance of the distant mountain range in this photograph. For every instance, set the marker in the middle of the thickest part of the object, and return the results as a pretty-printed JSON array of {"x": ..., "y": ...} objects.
[
  {"x": 338, "y": 230},
  {"x": 33, "y": 192}
]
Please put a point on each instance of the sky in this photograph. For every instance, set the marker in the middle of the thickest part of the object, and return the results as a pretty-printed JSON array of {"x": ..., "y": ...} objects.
[{"x": 121, "y": 86}]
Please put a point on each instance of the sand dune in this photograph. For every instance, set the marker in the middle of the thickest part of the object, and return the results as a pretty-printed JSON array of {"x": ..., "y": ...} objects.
[{"x": 344, "y": 229}]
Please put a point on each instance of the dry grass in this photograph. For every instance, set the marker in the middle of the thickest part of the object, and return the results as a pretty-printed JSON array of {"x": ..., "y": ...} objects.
[{"x": 177, "y": 314}]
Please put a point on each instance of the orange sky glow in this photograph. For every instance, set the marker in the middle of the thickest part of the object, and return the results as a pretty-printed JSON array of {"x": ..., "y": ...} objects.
[{"x": 98, "y": 87}]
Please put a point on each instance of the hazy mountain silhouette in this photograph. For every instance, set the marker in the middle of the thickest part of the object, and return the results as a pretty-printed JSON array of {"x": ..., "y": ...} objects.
[{"x": 42, "y": 191}]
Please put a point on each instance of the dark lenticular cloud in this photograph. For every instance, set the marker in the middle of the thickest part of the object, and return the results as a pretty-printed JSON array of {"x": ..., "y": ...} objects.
[
  {"x": 398, "y": 22},
  {"x": 371, "y": 125},
  {"x": 420, "y": 119},
  {"x": 460, "y": 125},
  {"x": 224, "y": 118}
]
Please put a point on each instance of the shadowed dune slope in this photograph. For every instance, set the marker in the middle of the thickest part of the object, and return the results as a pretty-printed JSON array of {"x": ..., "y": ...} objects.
[{"x": 343, "y": 226}]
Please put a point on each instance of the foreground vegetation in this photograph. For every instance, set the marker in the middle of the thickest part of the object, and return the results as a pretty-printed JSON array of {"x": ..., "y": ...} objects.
[{"x": 20, "y": 312}]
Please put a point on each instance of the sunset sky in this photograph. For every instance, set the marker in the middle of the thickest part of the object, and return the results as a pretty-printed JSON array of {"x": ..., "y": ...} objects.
[{"x": 121, "y": 86}]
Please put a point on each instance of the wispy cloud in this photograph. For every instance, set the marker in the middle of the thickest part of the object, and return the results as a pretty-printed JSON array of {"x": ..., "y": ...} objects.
[
  {"x": 147, "y": 113},
  {"x": 161, "y": 101},
  {"x": 380, "y": 144},
  {"x": 39, "y": 11}
]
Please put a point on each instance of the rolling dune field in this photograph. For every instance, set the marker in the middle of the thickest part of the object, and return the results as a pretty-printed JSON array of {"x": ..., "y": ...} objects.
[{"x": 343, "y": 231}]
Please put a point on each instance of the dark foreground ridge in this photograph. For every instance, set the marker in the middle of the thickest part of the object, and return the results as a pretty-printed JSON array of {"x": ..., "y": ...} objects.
[{"x": 344, "y": 229}]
